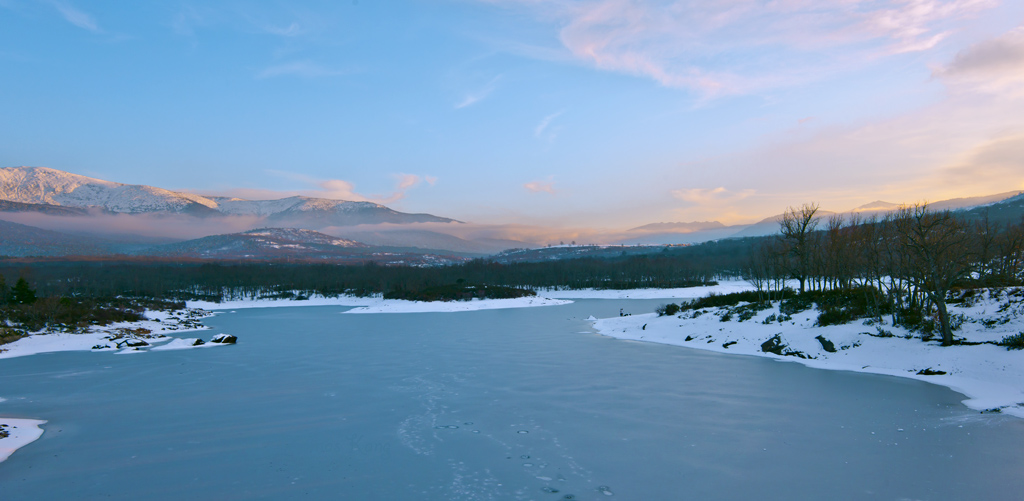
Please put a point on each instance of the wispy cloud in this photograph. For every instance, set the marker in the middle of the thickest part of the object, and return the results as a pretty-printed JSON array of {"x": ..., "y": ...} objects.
[
  {"x": 704, "y": 196},
  {"x": 995, "y": 65},
  {"x": 338, "y": 189},
  {"x": 547, "y": 186},
  {"x": 1000, "y": 160},
  {"x": 479, "y": 95},
  {"x": 77, "y": 17},
  {"x": 742, "y": 46},
  {"x": 538, "y": 131},
  {"x": 292, "y": 30},
  {"x": 304, "y": 69},
  {"x": 184, "y": 20},
  {"x": 252, "y": 17}
]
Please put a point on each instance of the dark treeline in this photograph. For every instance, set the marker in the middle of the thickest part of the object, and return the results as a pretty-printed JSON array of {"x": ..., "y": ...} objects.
[
  {"x": 215, "y": 281},
  {"x": 21, "y": 310},
  {"x": 903, "y": 263}
]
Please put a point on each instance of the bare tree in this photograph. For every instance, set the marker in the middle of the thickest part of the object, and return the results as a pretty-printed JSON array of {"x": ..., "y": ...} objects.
[
  {"x": 1010, "y": 253},
  {"x": 985, "y": 234},
  {"x": 939, "y": 247},
  {"x": 796, "y": 226}
]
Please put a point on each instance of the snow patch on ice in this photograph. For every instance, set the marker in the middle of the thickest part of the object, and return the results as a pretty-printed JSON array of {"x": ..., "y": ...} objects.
[{"x": 20, "y": 432}]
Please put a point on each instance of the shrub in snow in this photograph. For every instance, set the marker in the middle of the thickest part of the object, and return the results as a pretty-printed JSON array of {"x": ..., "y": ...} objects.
[
  {"x": 714, "y": 300},
  {"x": 914, "y": 319},
  {"x": 1014, "y": 342},
  {"x": 795, "y": 304},
  {"x": 834, "y": 316}
]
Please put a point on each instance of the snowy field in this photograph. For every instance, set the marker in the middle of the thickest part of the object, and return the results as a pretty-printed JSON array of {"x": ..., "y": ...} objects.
[{"x": 990, "y": 376}]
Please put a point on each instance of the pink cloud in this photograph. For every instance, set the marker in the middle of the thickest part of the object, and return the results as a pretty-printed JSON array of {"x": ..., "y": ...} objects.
[
  {"x": 697, "y": 45},
  {"x": 335, "y": 189},
  {"x": 540, "y": 187},
  {"x": 703, "y": 196}
]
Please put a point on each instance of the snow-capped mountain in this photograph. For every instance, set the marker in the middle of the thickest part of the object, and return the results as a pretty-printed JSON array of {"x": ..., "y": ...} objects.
[
  {"x": 40, "y": 188},
  {"x": 42, "y": 185}
]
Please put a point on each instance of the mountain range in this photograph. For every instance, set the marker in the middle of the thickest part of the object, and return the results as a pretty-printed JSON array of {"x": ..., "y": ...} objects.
[
  {"x": 87, "y": 216},
  {"x": 51, "y": 191}
]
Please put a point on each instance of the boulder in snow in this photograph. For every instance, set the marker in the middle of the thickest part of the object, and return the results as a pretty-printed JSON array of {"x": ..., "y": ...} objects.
[
  {"x": 224, "y": 339},
  {"x": 774, "y": 345},
  {"x": 132, "y": 343},
  {"x": 778, "y": 346},
  {"x": 826, "y": 345}
]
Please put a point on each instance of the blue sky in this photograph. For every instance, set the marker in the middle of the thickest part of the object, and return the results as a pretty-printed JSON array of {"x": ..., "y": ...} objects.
[{"x": 602, "y": 114}]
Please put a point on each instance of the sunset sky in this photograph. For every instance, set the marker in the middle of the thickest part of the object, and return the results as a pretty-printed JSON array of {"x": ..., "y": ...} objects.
[{"x": 600, "y": 114}]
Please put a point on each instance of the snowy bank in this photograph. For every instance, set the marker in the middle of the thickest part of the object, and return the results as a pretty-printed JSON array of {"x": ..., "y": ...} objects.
[
  {"x": 17, "y": 433},
  {"x": 990, "y": 376},
  {"x": 377, "y": 304},
  {"x": 380, "y": 305},
  {"x": 314, "y": 300},
  {"x": 121, "y": 337},
  {"x": 401, "y": 306},
  {"x": 723, "y": 287}
]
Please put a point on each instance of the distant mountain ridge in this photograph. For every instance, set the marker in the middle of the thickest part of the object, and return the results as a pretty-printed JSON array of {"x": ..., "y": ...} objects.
[
  {"x": 18, "y": 240},
  {"x": 42, "y": 189},
  {"x": 264, "y": 243},
  {"x": 679, "y": 227},
  {"x": 1003, "y": 206}
]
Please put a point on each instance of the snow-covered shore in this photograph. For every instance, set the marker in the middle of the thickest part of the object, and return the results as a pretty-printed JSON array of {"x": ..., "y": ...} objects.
[
  {"x": 990, "y": 376},
  {"x": 157, "y": 326},
  {"x": 16, "y": 433},
  {"x": 544, "y": 297},
  {"x": 377, "y": 304},
  {"x": 400, "y": 306},
  {"x": 723, "y": 287},
  {"x": 314, "y": 300},
  {"x": 120, "y": 337}
]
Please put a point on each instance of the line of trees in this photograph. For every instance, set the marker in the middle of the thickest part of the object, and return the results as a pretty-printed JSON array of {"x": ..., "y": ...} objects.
[
  {"x": 215, "y": 280},
  {"x": 906, "y": 261}
]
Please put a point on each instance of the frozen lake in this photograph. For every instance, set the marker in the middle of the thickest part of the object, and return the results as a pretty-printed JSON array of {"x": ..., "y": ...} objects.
[{"x": 497, "y": 404}]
